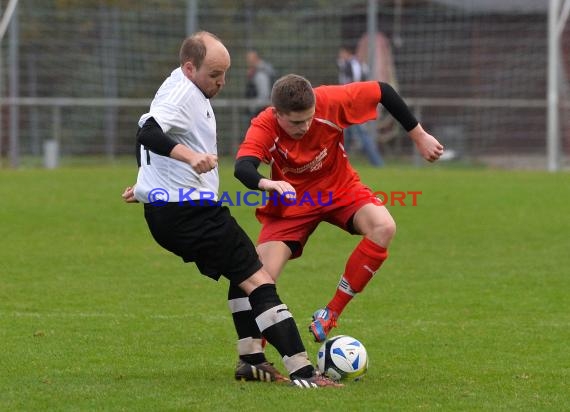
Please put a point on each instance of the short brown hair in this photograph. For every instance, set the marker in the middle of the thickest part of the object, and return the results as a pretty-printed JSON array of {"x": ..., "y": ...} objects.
[
  {"x": 292, "y": 93},
  {"x": 194, "y": 48}
]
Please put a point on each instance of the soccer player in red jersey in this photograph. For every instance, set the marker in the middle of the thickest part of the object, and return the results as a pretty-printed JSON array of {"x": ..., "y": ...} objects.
[{"x": 301, "y": 137}]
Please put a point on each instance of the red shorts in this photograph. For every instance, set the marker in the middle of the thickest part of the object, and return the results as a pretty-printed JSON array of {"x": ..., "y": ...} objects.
[{"x": 299, "y": 228}]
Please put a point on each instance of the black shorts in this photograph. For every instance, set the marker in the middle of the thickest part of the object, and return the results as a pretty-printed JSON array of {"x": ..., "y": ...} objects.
[{"x": 206, "y": 235}]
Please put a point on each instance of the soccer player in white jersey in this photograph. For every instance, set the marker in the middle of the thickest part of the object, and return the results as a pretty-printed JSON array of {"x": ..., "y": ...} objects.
[{"x": 178, "y": 169}]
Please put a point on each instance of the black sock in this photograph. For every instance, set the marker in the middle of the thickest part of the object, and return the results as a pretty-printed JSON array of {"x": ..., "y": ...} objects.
[
  {"x": 277, "y": 323},
  {"x": 244, "y": 320},
  {"x": 254, "y": 359}
]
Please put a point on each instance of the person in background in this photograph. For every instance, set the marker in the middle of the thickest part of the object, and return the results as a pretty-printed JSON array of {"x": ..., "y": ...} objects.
[
  {"x": 350, "y": 69},
  {"x": 260, "y": 77}
]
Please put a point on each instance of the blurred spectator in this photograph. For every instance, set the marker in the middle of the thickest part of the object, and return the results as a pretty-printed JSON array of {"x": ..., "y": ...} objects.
[
  {"x": 350, "y": 69},
  {"x": 260, "y": 78}
]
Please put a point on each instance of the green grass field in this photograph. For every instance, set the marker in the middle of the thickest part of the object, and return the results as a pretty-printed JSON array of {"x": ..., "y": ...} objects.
[{"x": 470, "y": 313}]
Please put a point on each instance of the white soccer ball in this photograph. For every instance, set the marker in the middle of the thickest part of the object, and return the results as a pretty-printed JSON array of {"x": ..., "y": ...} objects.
[{"x": 342, "y": 358}]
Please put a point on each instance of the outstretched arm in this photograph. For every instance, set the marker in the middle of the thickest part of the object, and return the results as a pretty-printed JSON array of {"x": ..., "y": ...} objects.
[{"x": 428, "y": 146}]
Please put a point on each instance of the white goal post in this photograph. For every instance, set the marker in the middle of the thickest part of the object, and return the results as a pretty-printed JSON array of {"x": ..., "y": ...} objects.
[
  {"x": 7, "y": 16},
  {"x": 557, "y": 15}
]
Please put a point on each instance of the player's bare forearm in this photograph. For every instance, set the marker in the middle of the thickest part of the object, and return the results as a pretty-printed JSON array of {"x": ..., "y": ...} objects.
[
  {"x": 200, "y": 162},
  {"x": 428, "y": 146}
]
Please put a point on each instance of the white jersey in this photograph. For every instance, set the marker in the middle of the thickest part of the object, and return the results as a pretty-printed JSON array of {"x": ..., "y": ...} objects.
[{"x": 186, "y": 116}]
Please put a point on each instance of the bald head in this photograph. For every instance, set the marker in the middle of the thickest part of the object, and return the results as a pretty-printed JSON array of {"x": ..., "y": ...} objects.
[
  {"x": 195, "y": 47},
  {"x": 216, "y": 52},
  {"x": 204, "y": 60}
]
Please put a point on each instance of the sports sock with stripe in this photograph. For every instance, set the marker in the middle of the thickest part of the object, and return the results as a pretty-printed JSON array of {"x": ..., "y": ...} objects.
[
  {"x": 249, "y": 344},
  {"x": 276, "y": 323},
  {"x": 361, "y": 266}
]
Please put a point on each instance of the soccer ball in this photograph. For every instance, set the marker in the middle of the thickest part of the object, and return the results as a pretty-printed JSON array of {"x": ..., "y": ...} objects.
[{"x": 343, "y": 358}]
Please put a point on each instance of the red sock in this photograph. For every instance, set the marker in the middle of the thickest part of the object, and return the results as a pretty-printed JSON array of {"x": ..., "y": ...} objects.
[{"x": 362, "y": 264}]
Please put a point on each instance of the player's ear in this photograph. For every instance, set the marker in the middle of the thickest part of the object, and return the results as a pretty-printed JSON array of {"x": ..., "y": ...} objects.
[{"x": 189, "y": 69}]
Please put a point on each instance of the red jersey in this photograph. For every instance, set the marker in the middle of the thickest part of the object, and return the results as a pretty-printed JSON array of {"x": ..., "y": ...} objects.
[{"x": 317, "y": 165}]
